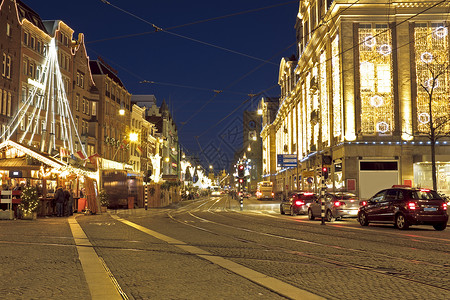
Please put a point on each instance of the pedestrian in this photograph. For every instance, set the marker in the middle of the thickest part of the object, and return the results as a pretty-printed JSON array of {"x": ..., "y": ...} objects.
[
  {"x": 59, "y": 199},
  {"x": 66, "y": 202}
]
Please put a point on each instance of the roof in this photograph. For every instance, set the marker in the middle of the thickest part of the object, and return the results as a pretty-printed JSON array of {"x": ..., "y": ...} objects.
[
  {"x": 17, "y": 163},
  {"x": 25, "y": 12},
  {"x": 41, "y": 156},
  {"x": 98, "y": 68}
]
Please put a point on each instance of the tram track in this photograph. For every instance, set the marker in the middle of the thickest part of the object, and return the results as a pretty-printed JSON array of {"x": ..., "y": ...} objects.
[{"x": 385, "y": 272}]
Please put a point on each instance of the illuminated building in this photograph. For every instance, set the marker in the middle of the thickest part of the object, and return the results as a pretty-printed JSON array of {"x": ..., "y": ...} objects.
[
  {"x": 356, "y": 91},
  {"x": 114, "y": 128}
]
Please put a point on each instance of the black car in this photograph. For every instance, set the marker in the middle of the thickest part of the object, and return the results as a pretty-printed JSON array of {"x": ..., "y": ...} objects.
[
  {"x": 297, "y": 203},
  {"x": 404, "y": 207}
]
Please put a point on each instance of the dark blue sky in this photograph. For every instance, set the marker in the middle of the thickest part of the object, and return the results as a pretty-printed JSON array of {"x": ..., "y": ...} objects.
[{"x": 262, "y": 37}]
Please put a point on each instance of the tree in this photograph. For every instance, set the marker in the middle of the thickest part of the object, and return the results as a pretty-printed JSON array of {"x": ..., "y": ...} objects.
[{"x": 434, "y": 119}]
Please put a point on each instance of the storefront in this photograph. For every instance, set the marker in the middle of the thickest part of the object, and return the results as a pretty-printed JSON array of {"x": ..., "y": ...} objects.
[{"x": 22, "y": 166}]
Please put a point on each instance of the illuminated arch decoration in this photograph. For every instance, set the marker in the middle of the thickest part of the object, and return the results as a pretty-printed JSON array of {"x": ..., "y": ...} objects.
[
  {"x": 376, "y": 101},
  {"x": 45, "y": 109},
  {"x": 385, "y": 49},
  {"x": 424, "y": 118},
  {"x": 441, "y": 32},
  {"x": 382, "y": 127},
  {"x": 370, "y": 41},
  {"x": 426, "y": 57},
  {"x": 429, "y": 83}
]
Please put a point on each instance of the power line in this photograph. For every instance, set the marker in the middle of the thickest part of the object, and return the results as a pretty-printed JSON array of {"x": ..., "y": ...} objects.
[
  {"x": 194, "y": 23},
  {"x": 157, "y": 28}
]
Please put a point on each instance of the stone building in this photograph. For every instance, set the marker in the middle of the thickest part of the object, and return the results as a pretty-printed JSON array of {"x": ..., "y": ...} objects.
[
  {"x": 40, "y": 80},
  {"x": 358, "y": 91},
  {"x": 115, "y": 108}
]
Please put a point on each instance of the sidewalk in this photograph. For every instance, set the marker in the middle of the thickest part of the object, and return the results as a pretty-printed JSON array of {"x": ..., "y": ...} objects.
[{"x": 39, "y": 260}]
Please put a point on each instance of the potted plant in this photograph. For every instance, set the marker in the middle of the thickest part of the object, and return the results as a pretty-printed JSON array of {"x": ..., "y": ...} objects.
[
  {"x": 104, "y": 200},
  {"x": 29, "y": 203}
]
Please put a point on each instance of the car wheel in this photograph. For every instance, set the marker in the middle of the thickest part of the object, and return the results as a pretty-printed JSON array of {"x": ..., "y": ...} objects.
[
  {"x": 363, "y": 219},
  {"x": 400, "y": 222},
  {"x": 329, "y": 216},
  {"x": 310, "y": 214},
  {"x": 293, "y": 212},
  {"x": 440, "y": 226},
  {"x": 282, "y": 210}
]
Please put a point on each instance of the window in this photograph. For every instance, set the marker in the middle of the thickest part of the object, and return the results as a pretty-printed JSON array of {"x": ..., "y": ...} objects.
[
  {"x": 32, "y": 42},
  {"x": 77, "y": 102},
  {"x": 82, "y": 80},
  {"x": 9, "y": 104},
  {"x": 4, "y": 65},
  {"x": 8, "y": 29},
  {"x": 25, "y": 67},
  {"x": 24, "y": 94},
  {"x": 379, "y": 196},
  {"x": 4, "y": 102},
  {"x": 22, "y": 123},
  {"x": 87, "y": 107},
  {"x": 94, "y": 109},
  {"x": 39, "y": 46},
  {"x": 25, "y": 38},
  {"x": 31, "y": 70},
  {"x": 391, "y": 195},
  {"x": 84, "y": 105}
]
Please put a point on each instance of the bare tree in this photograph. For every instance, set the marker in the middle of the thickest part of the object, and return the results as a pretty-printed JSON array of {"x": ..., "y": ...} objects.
[{"x": 435, "y": 123}]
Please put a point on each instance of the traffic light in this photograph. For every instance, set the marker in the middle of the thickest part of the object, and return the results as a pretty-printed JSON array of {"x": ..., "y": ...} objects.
[
  {"x": 325, "y": 172},
  {"x": 241, "y": 180},
  {"x": 241, "y": 171}
]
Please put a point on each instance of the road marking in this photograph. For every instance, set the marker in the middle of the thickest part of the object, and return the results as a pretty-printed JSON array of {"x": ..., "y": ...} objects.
[
  {"x": 102, "y": 284},
  {"x": 268, "y": 282}
]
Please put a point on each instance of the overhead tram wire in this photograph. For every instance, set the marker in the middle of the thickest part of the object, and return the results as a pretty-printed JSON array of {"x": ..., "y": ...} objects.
[
  {"x": 157, "y": 28},
  {"x": 193, "y": 23},
  {"x": 217, "y": 91},
  {"x": 232, "y": 84},
  {"x": 311, "y": 32}
]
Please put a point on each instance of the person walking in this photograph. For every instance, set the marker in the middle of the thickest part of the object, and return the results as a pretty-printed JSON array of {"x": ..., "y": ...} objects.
[{"x": 59, "y": 199}]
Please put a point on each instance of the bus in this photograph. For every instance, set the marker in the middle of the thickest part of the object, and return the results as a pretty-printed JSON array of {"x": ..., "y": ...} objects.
[{"x": 264, "y": 190}]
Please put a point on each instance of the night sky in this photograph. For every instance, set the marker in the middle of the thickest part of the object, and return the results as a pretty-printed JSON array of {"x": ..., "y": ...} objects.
[{"x": 239, "y": 45}]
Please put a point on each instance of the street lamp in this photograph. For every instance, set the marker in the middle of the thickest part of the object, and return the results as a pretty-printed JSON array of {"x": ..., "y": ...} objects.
[
  {"x": 121, "y": 111},
  {"x": 134, "y": 136}
]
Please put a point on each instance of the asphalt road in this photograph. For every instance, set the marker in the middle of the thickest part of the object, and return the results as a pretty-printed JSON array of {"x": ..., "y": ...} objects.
[{"x": 210, "y": 249}]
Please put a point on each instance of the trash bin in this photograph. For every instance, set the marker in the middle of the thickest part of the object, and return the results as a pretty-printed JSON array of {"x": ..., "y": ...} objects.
[
  {"x": 130, "y": 202},
  {"x": 81, "y": 204}
]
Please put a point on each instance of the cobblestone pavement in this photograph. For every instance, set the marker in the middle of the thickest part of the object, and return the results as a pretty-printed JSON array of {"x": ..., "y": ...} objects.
[{"x": 38, "y": 260}]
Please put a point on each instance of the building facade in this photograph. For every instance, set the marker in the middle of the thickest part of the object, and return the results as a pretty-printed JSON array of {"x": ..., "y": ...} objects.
[{"x": 359, "y": 91}]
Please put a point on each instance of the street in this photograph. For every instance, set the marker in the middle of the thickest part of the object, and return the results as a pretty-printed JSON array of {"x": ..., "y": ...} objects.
[{"x": 210, "y": 249}]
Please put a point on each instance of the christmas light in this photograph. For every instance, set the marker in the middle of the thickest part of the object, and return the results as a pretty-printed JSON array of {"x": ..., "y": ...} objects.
[{"x": 46, "y": 103}]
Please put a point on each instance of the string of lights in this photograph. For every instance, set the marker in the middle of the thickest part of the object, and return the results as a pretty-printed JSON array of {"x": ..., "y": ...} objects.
[{"x": 45, "y": 103}]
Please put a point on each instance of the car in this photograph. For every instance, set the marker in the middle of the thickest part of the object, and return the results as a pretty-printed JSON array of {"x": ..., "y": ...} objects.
[
  {"x": 404, "y": 207},
  {"x": 338, "y": 205},
  {"x": 297, "y": 203}
]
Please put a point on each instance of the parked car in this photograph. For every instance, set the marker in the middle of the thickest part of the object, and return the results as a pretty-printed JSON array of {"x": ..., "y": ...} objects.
[
  {"x": 297, "y": 203},
  {"x": 404, "y": 207},
  {"x": 338, "y": 205}
]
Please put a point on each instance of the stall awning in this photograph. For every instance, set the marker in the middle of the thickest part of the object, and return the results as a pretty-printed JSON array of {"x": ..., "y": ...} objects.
[{"x": 40, "y": 156}]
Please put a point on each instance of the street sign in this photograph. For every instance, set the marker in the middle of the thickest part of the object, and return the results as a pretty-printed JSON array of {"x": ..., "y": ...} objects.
[{"x": 287, "y": 160}]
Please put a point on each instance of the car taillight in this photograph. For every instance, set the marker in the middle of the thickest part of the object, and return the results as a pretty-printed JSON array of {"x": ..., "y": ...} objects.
[
  {"x": 411, "y": 205},
  {"x": 339, "y": 203},
  {"x": 299, "y": 203},
  {"x": 363, "y": 203},
  {"x": 444, "y": 206}
]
